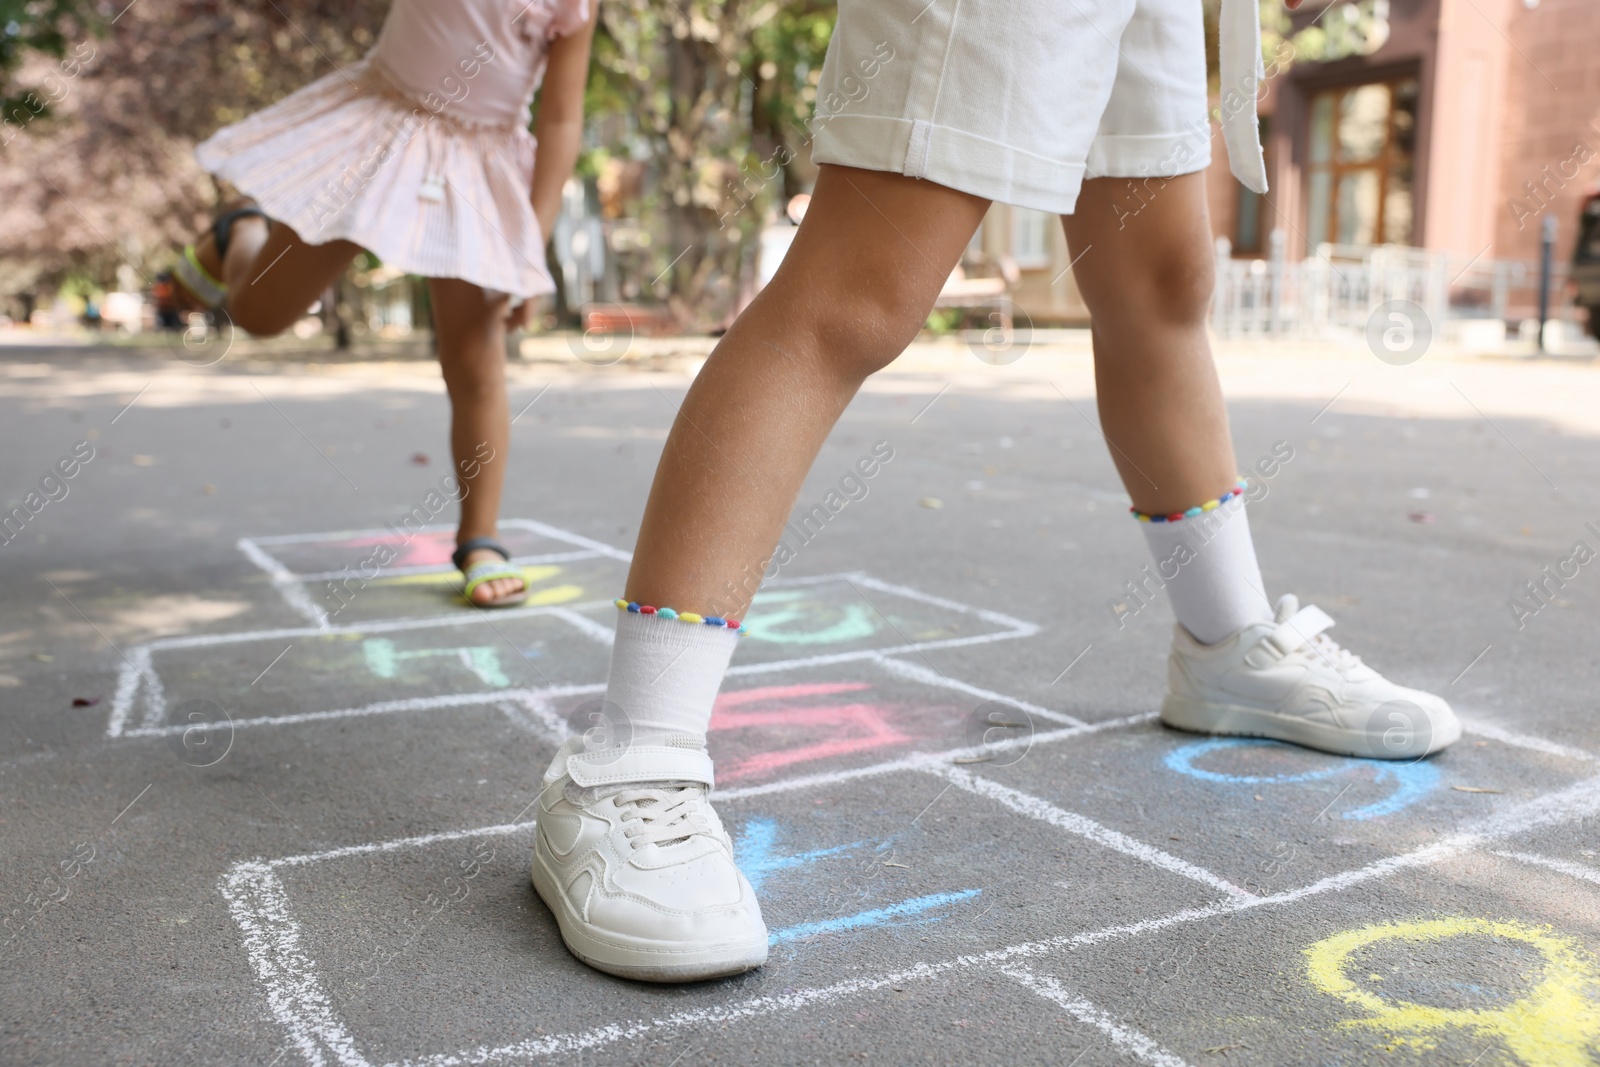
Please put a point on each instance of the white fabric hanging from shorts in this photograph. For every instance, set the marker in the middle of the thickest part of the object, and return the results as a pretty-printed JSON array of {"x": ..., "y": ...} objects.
[{"x": 1242, "y": 74}]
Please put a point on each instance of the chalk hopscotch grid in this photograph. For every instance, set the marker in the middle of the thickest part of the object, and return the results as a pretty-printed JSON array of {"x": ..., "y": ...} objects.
[
  {"x": 139, "y": 680},
  {"x": 259, "y": 903},
  {"x": 294, "y": 589}
]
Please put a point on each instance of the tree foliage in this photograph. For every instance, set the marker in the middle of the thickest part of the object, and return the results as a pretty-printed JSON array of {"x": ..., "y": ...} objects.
[{"x": 709, "y": 99}]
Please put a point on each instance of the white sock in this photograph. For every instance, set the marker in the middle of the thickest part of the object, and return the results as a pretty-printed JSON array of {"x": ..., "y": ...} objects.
[
  {"x": 665, "y": 675},
  {"x": 1208, "y": 565}
]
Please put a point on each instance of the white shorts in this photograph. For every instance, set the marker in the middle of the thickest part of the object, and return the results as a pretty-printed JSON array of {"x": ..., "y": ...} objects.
[{"x": 1016, "y": 101}]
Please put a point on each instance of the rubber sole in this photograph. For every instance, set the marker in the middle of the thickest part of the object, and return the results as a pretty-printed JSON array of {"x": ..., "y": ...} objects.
[
  {"x": 1234, "y": 720},
  {"x": 638, "y": 958}
]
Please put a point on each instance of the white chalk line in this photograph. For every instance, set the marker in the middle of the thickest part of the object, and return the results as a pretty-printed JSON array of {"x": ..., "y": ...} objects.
[
  {"x": 559, "y": 732},
  {"x": 920, "y": 761},
  {"x": 386, "y": 707},
  {"x": 537, "y": 718},
  {"x": 128, "y": 688},
  {"x": 284, "y": 581},
  {"x": 1575, "y": 870},
  {"x": 446, "y": 568},
  {"x": 128, "y": 683},
  {"x": 918, "y": 673},
  {"x": 1577, "y": 801},
  {"x": 1124, "y": 1037},
  {"x": 260, "y": 906},
  {"x": 375, "y": 626},
  {"x": 136, "y": 667},
  {"x": 1082, "y": 826},
  {"x": 588, "y": 627},
  {"x": 293, "y": 587},
  {"x": 558, "y": 534},
  {"x": 1023, "y": 629},
  {"x": 1528, "y": 741},
  {"x": 531, "y": 525}
]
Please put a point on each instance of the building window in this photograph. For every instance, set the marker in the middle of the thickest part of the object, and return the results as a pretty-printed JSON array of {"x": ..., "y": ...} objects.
[
  {"x": 1030, "y": 237},
  {"x": 1361, "y": 163},
  {"x": 1248, "y": 207}
]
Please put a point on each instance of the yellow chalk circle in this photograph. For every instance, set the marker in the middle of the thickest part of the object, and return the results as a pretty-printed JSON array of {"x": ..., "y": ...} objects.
[{"x": 1555, "y": 1025}]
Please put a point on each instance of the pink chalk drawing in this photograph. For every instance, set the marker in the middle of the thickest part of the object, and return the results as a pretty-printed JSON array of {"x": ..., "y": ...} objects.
[
  {"x": 869, "y": 725},
  {"x": 418, "y": 550}
]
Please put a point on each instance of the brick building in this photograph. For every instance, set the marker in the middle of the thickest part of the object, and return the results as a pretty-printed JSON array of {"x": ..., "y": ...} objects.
[{"x": 1468, "y": 121}]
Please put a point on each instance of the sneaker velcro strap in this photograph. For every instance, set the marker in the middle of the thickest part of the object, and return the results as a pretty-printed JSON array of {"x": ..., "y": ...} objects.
[
  {"x": 1298, "y": 630},
  {"x": 641, "y": 763}
]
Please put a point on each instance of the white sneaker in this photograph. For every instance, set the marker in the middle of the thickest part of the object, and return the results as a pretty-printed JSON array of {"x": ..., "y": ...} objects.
[
  {"x": 1289, "y": 681},
  {"x": 637, "y": 868}
]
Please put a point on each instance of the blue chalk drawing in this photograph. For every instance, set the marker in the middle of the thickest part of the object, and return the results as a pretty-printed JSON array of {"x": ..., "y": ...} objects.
[
  {"x": 756, "y": 854},
  {"x": 765, "y": 624},
  {"x": 384, "y": 659},
  {"x": 1411, "y": 780},
  {"x": 755, "y": 851},
  {"x": 893, "y": 915}
]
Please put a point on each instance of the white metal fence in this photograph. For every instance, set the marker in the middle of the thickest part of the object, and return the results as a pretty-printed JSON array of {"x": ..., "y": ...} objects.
[{"x": 1334, "y": 292}]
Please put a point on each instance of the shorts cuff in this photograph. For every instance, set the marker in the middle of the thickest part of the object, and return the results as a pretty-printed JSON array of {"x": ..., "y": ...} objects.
[
  {"x": 1159, "y": 155},
  {"x": 950, "y": 157}
]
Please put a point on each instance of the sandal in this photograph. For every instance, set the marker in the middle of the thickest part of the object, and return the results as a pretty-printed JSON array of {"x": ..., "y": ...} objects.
[
  {"x": 196, "y": 280},
  {"x": 487, "y": 571}
]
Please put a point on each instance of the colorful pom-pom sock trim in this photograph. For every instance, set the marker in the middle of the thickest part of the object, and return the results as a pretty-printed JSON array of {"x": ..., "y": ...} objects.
[
  {"x": 681, "y": 616},
  {"x": 1209, "y": 505}
]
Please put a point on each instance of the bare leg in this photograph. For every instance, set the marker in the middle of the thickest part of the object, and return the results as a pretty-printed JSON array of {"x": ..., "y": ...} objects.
[
  {"x": 274, "y": 277},
  {"x": 852, "y": 292},
  {"x": 472, "y": 354},
  {"x": 1148, "y": 287}
]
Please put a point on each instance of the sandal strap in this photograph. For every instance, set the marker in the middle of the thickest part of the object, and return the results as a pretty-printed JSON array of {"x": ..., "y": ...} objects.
[
  {"x": 477, "y": 544},
  {"x": 488, "y": 571},
  {"x": 198, "y": 280},
  {"x": 222, "y": 226}
]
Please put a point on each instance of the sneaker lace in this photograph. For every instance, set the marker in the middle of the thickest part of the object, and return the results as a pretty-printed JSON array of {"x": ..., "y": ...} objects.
[
  {"x": 1332, "y": 653},
  {"x": 663, "y": 813}
]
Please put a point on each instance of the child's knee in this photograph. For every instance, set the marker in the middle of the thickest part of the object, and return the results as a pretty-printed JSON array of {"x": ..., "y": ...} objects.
[
  {"x": 1181, "y": 288},
  {"x": 863, "y": 329}
]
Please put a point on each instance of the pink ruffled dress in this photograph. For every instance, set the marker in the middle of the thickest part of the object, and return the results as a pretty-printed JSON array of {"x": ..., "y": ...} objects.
[{"x": 419, "y": 152}]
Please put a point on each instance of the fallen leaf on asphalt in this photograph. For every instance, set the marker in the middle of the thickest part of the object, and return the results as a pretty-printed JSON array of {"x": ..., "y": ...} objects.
[
  {"x": 1424, "y": 517},
  {"x": 85, "y": 702},
  {"x": 931, "y": 502},
  {"x": 42, "y": 657},
  {"x": 420, "y": 459},
  {"x": 144, "y": 461}
]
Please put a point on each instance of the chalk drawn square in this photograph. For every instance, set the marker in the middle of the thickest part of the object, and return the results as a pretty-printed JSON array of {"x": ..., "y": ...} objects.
[
  {"x": 774, "y": 722},
  {"x": 1235, "y": 806},
  {"x": 404, "y": 665},
  {"x": 344, "y": 577},
  {"x": 1460, "y": 957},
  {"x": 341, "y": 938},
  {"x": 834, "y": 617}
]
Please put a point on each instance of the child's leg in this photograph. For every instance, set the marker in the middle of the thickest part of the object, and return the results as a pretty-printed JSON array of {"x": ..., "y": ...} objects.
[
  {"x": 1237, "y": 667},
  {"x": 853, "y": 291},
  {"x": 273, "y": 276},
  {"x": 1147, "y": 280},
  {"x": 470, "y": 325}
]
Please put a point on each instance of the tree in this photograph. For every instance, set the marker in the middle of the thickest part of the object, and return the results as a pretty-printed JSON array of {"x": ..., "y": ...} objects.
[
  {"x": 106, "y": 177},
  {"x": 719, "y": 93}
]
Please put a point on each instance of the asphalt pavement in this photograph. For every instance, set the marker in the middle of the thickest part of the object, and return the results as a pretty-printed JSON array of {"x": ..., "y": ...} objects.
[{"x": 265, "y": 801}]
